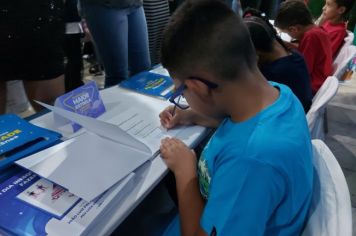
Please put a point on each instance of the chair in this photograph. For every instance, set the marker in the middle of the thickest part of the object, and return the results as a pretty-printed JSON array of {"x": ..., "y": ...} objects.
[
  {"x": 330, "y": 212},
  {"x": 316, "y": 114},
  {"x": 345, "y": 54}
]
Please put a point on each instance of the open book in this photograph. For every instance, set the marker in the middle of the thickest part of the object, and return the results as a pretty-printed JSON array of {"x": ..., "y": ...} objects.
[{"x": 91, "y": 163}]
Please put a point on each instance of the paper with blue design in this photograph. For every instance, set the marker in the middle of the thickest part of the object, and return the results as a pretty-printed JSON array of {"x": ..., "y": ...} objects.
[
  {"x": 84, "y": 100},
  {"x": 49, "y": 197},
  {"x": 91, "y": 163}
]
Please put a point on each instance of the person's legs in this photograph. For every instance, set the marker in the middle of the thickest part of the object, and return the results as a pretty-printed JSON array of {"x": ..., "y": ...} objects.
[
  {"x": 109, "y": 31},
  {"x": 2, "y": 97},
  {"x": 74, "y": 65},
  {"x": 44, "y": 90},
  {"x": 139, "y": 55},
  {"x": 157, "y": 16}
]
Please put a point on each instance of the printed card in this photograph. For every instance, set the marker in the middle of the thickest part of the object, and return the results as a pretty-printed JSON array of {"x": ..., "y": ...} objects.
[
  {"x": 49, "y": 197},
  {"x": 84, "y": 100}
]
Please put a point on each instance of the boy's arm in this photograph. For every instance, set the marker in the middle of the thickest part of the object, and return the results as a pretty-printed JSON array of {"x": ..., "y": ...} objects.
[
  {"x": 183, "y": 162},
  {"x": 191, "y": 204},
  {"x": 199, "y": 119}
]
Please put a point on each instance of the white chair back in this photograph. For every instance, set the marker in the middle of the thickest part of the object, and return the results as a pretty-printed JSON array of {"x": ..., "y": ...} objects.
[
  {"x": 330, "y": 213},
  {"x": 345, "y": 54},
  {"x": 315, "y": 116}
]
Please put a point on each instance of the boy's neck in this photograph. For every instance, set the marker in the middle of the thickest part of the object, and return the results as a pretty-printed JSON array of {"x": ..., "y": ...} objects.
[
  {"x": 278, "y": 52},
  {"x": 245, "y": 99},
  {"x": 335, "y": 21},
  {"x": 304, "y": 29}
]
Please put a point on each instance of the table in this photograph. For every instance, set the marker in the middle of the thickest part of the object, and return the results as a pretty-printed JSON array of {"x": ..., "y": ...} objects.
[
  {"x": 342, "y": 108},
  {"x": 151, "y": 173}
]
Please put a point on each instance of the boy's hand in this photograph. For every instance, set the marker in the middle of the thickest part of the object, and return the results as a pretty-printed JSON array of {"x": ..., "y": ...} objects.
[
  {"x": 178, "y": 157},
  {"x": 169, "y": 121}
]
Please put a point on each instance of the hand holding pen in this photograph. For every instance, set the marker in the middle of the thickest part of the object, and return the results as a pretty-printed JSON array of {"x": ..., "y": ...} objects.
[{"x": 169, "y": 118}]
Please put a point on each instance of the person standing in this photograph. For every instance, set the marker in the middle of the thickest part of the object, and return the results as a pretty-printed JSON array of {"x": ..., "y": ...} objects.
[
  {"x": 31, "y": 48},
  {"x": 73, "y": 46},
  {"x": 119, "y": 32},
  {"x": 157, "y": 16}
]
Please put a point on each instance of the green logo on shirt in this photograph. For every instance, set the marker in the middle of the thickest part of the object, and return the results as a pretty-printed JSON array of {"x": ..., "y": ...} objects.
[{"x": 204, "y": 177}]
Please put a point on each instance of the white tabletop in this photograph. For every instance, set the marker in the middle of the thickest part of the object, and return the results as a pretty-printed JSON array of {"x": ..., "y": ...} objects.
[{"x": 342, "y": 108}]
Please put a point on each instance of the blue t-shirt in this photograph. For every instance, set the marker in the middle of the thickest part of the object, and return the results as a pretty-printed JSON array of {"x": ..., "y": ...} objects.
[
  {"x": 293, "y": 72},
  {"x": 257, "y": 175}
]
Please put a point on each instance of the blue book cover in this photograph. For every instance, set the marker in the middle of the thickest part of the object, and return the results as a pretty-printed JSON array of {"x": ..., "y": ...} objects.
[
  {"x": 150, "y": 83},
  {"x": 19, "y": 216},
  {"x": 19, "y": 138},
  {"x": 16, "y": 216}
]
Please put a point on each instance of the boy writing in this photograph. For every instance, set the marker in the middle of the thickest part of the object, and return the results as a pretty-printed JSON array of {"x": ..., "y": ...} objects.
[
  {"x": 295, "y": 19},
  {"x": 333, "y": 21},
  {"x": 254, "y": 177}
]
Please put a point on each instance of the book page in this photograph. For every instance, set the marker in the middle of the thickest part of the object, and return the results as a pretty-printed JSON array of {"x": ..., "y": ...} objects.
[
  {"x": 88, "y": 166},
  {"x": 143, "y": 127},
  {"x": 101, "y": 128}
]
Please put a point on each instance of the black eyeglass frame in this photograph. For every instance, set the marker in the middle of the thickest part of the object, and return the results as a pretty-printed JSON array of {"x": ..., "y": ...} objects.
[{"x": 179, "y": 91}]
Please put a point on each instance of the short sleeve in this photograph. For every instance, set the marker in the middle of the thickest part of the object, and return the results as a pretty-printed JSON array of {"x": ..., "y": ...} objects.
[{"x": 243, "y": 195}]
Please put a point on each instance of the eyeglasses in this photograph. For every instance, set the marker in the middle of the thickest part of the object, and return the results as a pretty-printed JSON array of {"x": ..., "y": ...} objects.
[{"x": 177, "y": 97}]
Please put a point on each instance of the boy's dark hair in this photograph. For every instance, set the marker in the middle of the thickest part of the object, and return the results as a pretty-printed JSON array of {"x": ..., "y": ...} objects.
[
  {"x": 261, "y": 30},
  {"x": 347, "y": 4},
  {"x": 291, "y": 13},
  {"x": 207, "y": 34}
]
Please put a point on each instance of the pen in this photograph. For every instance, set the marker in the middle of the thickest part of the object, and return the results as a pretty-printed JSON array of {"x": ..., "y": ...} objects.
[{"x": 174, "y": 110}]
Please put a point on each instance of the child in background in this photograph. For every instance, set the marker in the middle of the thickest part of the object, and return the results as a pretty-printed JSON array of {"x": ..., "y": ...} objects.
[
  {"x": 333, "y": 21},
  {"x": 276, "y": 62},
  {"x": 295, "y": 19},
  {"x": 254, "y": 177}
]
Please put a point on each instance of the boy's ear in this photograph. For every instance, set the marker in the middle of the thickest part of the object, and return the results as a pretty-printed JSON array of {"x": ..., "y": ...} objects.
[
  {"x": 293, "y": 29},
  {"x": 341, "y": 10},
  {"x": 198, "y": 87}
]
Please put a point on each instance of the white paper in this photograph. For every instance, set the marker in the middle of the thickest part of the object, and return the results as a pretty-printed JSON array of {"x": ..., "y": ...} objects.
[
  {"x": 87, "y": 166},
  {"x": 38, "y": 157},
  {"x": 144, "y": 127},
  {"x": 101, "y": 128}
]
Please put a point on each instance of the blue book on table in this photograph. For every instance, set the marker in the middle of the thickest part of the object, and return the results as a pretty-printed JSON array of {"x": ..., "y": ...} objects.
[
  {"x": 19, "y": 138},
  {"x": 17, "y": 217},
  {"x": 150, "y": 83}
]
